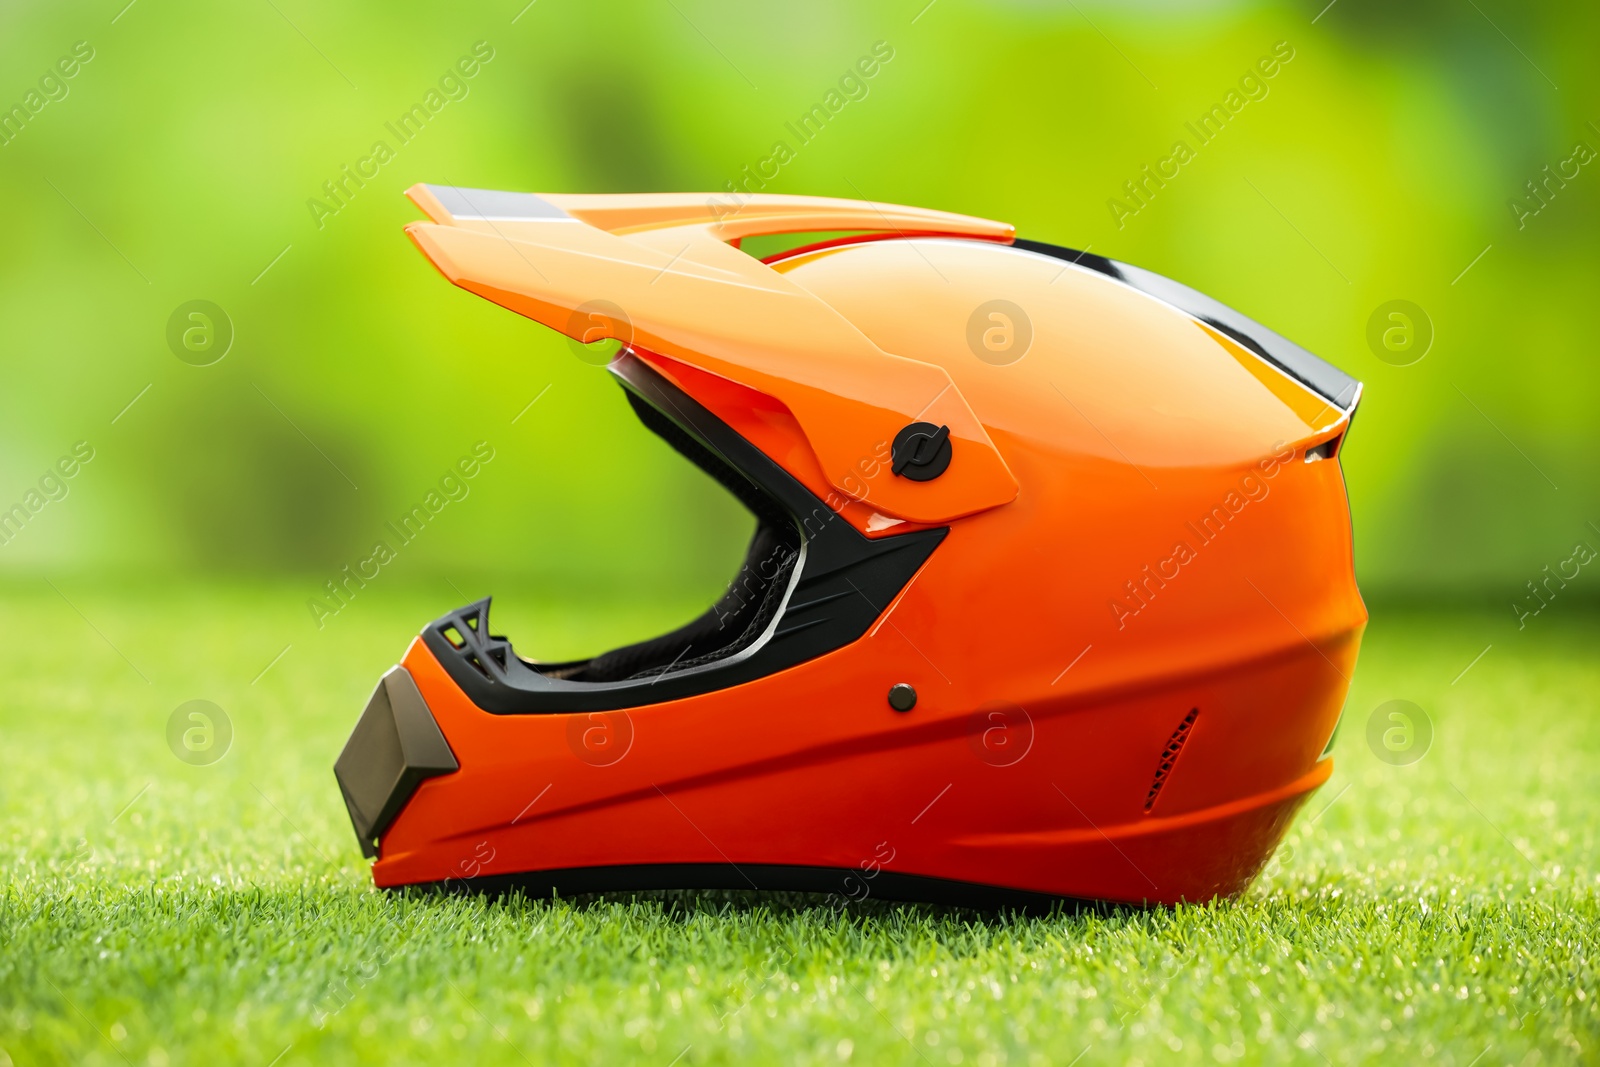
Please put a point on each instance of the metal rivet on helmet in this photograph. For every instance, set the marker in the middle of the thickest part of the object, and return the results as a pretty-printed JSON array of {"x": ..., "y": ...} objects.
[
  {"x": 902, "y": 697},
  {"x": 922, "y": 451}
]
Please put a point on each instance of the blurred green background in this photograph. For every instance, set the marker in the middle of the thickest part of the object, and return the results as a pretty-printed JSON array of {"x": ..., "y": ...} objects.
[{"x": 177, "y": 163}]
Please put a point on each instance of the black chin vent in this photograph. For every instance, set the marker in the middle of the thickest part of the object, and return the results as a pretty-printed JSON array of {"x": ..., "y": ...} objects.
[{"x": 1169, "y": 756}]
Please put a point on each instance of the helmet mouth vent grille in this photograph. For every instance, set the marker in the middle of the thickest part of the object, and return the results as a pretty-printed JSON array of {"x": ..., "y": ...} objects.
[{"x": 1169, "y": 757}]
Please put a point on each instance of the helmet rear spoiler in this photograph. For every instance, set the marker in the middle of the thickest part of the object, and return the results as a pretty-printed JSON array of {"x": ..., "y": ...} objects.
[{"x": 1321, "y": 377}]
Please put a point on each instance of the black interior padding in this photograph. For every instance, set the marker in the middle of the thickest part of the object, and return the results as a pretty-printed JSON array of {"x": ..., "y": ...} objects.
[
  {"x": 732, "y": 623},
  {"x": 738, "y": 618}
]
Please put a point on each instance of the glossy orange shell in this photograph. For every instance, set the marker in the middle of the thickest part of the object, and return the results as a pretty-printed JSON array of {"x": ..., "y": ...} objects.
[{"x": 1168, "y": 545}]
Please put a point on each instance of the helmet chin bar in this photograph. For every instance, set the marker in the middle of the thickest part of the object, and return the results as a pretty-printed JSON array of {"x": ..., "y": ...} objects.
[{"x": 829, "y": 590}]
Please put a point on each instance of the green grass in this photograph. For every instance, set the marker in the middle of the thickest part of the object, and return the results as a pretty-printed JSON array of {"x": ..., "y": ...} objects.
[{"x": 154, "y": 912}]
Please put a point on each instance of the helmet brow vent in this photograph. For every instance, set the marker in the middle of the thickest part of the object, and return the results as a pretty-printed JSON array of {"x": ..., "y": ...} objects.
[{"x": 1169, "y": 756}]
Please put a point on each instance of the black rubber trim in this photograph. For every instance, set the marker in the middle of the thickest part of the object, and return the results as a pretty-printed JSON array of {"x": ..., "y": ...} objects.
[
  {"x": 395, "y": 746},
  {"x": 845, "y": 580},
  {"x": 1316, "y": 374},
  {"x": 847, "y": 882}
]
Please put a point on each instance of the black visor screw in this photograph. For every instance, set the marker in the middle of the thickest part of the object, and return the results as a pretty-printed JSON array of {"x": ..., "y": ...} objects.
[
  {"x": 921, "y": 451},
  {"x": 902, "y": 697}
]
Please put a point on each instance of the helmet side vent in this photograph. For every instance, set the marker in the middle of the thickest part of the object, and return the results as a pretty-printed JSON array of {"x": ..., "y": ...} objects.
[
  {"x": 1169, "y": 756},
  {"x": 1326, "y": 450}
]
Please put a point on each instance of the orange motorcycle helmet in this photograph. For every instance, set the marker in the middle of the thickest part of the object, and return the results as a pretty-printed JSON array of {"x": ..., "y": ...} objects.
[{"x": 1050, "y": 594}]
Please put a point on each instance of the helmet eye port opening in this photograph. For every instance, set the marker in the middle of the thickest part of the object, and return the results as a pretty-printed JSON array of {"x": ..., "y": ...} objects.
[{"x": 810, "y": 583}]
